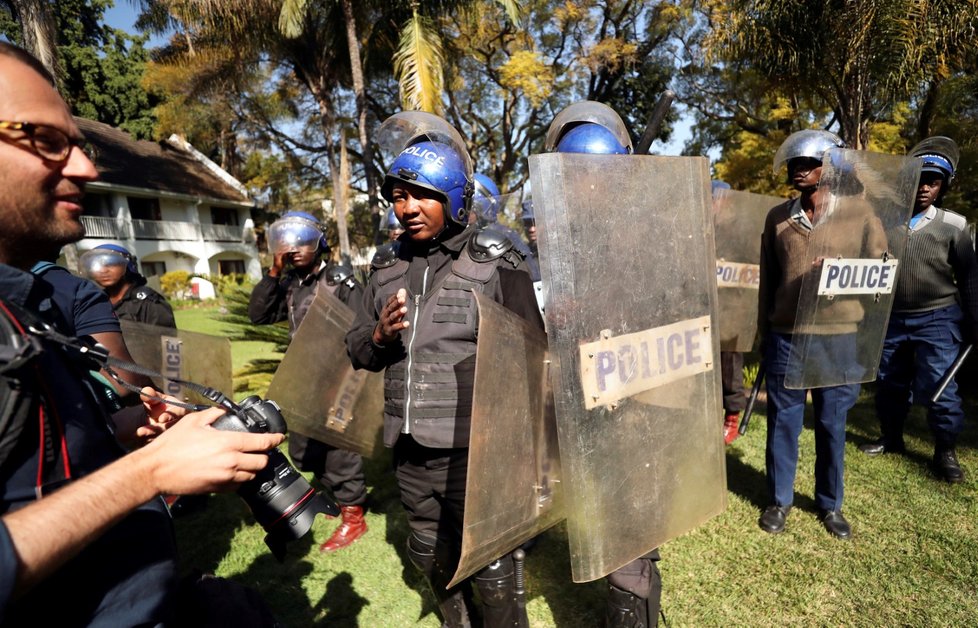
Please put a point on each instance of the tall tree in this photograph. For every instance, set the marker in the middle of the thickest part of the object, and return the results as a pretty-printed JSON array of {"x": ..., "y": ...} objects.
[
  {"x": 857, "y": 56},
  {"x": 37, "y": 30}
]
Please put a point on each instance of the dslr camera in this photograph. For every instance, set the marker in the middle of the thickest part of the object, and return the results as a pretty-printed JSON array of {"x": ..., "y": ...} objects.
[{"x": 281, "y": 499}]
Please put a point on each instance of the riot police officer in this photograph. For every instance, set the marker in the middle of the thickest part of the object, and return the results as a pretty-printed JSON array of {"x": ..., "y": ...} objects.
[
  {"x": 634, "y": 590},
  {"x": 297, "y": 240},
  {"x": 784, "y": 261},
  {"x": 113, "y": 268},
  {"x": 419, "y": 324},
  {"x": 935, "y": 302}
]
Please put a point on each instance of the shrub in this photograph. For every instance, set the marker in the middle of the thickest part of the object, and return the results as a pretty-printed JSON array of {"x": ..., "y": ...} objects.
[{"x": 176, "y": 284}]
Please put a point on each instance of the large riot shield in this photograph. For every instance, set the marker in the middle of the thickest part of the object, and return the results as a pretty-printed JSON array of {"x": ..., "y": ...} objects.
[
  {"x": 627, "y": 257},
  {"x": 321, "y": 395},
  {"x": 512, "y": 490},
  {"x": 181, "y": 354},
  {"x": 859, "y": 235},
  {"x": 738, "y": 219}
]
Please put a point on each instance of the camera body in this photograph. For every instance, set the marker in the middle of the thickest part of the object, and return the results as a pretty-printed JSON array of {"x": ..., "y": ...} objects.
[{"x": 282, "y": 501}]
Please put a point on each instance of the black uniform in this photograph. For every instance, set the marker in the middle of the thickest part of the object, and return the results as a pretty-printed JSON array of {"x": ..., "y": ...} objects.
[
  {"x": 428, "y": 397},
  {"x": 289, "y": 297},
  {"x": 142, "y": 304}
]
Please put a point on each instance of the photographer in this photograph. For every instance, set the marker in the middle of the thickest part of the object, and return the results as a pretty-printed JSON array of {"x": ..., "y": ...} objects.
[{"x": 83, "y": 538}]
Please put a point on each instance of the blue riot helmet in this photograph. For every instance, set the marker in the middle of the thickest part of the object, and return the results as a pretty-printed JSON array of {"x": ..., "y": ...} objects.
[
  {"x": 528, "y": 217},
  {"x": 810, "y": 143},
  {"x": 437, "y": 167},
  {"x": 103, "y": 255},
  {"x": 485, "y": 199},
  {"x": 717, "y": 186},
  {"x": 392, "y": 222},
  {"x": 394, "y": 226},
  {"x": 296, "y": 231},
  {"x": 431, "y": 154},
  {"x": 590, "y": 138},
  {"x": 588, "y": 127},
  {"x": 939, "y": 154}
]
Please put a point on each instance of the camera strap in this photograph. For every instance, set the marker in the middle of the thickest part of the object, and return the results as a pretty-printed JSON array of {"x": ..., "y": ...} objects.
[{"x": 97, "y": 356}]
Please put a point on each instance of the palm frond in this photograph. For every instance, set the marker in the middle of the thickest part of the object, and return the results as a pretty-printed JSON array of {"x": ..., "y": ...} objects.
[
  {"x": 418, "y": 65},
  {"x": 514, "y": 10},
  {"x": 290, "y": 20}
]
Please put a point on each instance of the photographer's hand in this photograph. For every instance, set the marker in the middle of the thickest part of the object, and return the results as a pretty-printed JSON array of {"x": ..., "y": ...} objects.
[
  {"x": 193, "y": 457},
  {"x": 392, "y": 319}
]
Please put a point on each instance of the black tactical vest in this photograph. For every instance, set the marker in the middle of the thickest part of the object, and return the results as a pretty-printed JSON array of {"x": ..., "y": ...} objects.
[{"x": 428, "y": 393}]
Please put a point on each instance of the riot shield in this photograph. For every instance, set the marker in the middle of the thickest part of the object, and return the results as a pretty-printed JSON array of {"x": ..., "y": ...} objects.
[
  {"x": 738, "y": 219},
  {"x": 627, "y": 257},
  {"x": 512, "y": 490},
  {"x": 187, "y": 355},
  {"x": 321, "y": 395},
  {"x": 858, "y": 237}
]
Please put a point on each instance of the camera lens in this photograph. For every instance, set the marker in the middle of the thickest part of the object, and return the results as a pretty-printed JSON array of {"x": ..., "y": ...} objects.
[{"x": 283, "y": 502}]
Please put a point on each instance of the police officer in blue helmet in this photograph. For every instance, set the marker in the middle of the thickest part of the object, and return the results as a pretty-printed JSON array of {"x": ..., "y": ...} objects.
[
  {"x": 114, "y": 269},
  {"x": 297, "y": 241},
  {"x": 394, "y": 226},
  {"x": 419, "y": 324},
  {"x": 935, "y": 310},
  {"x": 634, "y": 590}
]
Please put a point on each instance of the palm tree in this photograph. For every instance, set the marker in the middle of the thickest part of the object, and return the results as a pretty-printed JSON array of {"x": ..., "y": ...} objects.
[
  {"x": 37, "y": 28},
  {"x": 858, "y": 56}
]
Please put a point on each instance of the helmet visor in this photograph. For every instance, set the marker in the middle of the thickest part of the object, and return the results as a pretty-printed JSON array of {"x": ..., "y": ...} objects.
[
  {"x": 95, "y": 261},
  {"x": 811, "y": 143},
  {"x": 587, "y": 111},
  {"x": 293, "y": 234},
  {"x": 941, "y": 147},
  {"x": 410, "y": 127}
]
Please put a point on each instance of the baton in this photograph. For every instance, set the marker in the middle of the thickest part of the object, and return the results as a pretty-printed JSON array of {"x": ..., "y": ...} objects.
[
  {"x": 520, "y": 585},
  {"x": 951, "y": 372},
  {"x": 655, "y": 121},
  {"x": 749, "y": 410}
]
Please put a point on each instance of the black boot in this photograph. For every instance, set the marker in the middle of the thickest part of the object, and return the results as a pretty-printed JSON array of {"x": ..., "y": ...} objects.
[
  {"x": 946, "y": 464},
  {"x": 455, "y": 604},
  {"x": 497, "y": 588}
]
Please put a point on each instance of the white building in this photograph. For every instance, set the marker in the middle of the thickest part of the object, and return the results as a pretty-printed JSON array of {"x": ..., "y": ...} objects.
[{"x": 173, "y": 208}]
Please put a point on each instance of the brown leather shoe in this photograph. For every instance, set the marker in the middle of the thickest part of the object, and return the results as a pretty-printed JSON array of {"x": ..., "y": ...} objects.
[
  {"x": 352, "y": 527},
  {"x": 731, "y": 427}
]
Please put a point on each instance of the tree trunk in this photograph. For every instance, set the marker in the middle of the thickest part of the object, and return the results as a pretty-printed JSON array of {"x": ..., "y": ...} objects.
[
  {"x": 342, "y": 199},
  {"x": 356, "y": 67},
  {"x": 37, "y": 25}
]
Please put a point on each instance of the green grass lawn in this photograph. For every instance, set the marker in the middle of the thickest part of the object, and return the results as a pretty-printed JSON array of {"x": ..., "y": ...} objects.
[{"x": 913, "y": 559}]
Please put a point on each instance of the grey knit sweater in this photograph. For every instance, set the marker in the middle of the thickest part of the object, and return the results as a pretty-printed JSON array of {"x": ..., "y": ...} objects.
[{"x": 938, "y": 268}]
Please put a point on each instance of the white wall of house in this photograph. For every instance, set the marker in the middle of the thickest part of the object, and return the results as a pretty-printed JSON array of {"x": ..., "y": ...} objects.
[{"x": 185, "y": 238}]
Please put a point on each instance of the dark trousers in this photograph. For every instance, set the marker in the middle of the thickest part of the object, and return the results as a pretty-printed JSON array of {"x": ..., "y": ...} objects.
[
  {"x": 339, "y": 470},
  {"x": 432, "y": 485},
  {"x": 785, "y": 418},
  {"x": 732, "y": 379},
  {"x": 918, "y": 350}
]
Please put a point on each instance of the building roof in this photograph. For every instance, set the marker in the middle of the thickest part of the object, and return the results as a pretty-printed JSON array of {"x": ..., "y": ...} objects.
[{"x": 156, "y": 166}]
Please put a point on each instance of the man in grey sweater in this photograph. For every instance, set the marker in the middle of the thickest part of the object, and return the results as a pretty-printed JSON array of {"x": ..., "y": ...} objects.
[{"x": 934, "y": 312}]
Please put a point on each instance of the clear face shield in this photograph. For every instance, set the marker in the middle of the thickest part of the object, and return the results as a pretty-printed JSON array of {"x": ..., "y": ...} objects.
[
  {"x": 99, "y": 262},
  {"x": 408, "y": 127},
  {"x": 293, "y": 234},
  {"x": 811, "y": 143},
  {"x": 587, "y": 111}
]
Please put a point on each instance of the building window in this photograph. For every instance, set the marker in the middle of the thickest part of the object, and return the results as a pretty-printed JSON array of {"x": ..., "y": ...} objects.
[
  {"x": 224, "y": 216},
  {"x": 96, "y": 205},
  {"x": 230, "y": 267},
  {"x": 142, "y": 208},
  {"x": 153, "y": 269}
]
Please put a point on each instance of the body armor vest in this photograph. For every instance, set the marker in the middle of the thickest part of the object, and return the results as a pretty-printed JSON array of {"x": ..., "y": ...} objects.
[
  {"x": 299, "y": 307},
  {"x": 428, "y": 392}
]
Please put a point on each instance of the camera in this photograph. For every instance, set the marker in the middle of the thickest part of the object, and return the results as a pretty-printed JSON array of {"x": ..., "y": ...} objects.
[{"x": 282, "y": 501}]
